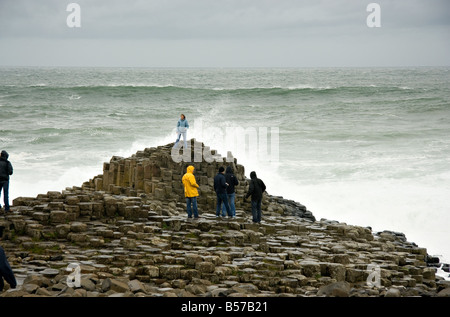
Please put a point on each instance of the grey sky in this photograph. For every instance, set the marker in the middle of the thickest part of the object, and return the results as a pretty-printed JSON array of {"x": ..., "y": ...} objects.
[{"x": 225, "y": 33}]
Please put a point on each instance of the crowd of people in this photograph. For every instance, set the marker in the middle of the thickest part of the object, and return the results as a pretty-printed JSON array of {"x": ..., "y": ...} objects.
[{"x": 224, "y": 186}]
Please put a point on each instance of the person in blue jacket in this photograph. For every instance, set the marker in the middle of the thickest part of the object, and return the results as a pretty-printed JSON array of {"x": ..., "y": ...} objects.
[
  {"x": 182, "y": 127},
  {"x": 6, "y": 271}
]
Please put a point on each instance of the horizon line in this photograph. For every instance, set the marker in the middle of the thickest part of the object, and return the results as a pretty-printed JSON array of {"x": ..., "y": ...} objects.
[{"x": 221, "y": 67}]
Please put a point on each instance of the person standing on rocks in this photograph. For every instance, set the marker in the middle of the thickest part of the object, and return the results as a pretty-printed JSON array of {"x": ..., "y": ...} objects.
[
  {"x": 190, "y": 192},
  {"x": 6, "y": 170},
  {"x": 220, "y": 187},
  {"x": 232, "y": 181},
  {"x": 182, "y": 127},
  {"x": 256, "y": 190},
  {"x": 6, "y": 271}
]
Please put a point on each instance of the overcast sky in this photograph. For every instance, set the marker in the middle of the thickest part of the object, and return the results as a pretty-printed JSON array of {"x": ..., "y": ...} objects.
[{"x": 225, "y": 33}]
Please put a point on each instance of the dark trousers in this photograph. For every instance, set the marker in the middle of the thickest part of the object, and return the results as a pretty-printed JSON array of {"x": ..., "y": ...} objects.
[
  {"x": 6, "y": 272},
  {"x": 223, "y": 198},
  {"x": 256, "y": 210},
  {"x": 4, "y": 186},
  {"x": 231, "y": 200},
  {"x": 191, "y": 206}
]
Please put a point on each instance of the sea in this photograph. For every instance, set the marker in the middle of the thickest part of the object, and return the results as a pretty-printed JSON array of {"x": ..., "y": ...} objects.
[{"x": 363, "y": 146}]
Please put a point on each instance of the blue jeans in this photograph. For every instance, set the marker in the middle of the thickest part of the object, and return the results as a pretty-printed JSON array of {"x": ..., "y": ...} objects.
[
  {"x": 223, "y": 199},
  {"x": 191, "y": 201},
  {"x": 231, "y": 199},
  {"x": 256, "y": 210},
  {"x": 4, "y": 186},
  {"x": 184, "y": 138}
]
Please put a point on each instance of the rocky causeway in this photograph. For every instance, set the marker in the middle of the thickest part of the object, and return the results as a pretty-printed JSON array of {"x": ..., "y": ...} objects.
[{"x": 127, "y": 233}]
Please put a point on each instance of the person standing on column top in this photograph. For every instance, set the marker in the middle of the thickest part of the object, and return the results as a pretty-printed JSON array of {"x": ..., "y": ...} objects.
[
  {"x": 182, "y": 127},
  {"x": 6, "y": 170}
]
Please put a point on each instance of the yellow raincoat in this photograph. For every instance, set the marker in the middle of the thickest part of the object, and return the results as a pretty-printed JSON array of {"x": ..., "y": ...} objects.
[{"x": 190, "y": 185}]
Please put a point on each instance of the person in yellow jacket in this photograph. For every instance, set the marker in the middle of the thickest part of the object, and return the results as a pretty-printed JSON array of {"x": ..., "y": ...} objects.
[{"x": 190, "y": 192}]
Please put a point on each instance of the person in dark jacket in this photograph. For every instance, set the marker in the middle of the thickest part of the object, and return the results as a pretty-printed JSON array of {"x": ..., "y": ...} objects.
[
  {"x": 220, "y": 187},
  {"x": 232, "y": 181},
  {"x": 6, "y": 272},
  {"x": 256, "y": 190},
  {"x": 6, "y": 170}
]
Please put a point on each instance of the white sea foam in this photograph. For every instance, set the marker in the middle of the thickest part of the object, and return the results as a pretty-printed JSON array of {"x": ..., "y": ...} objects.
[
  {"x": 414, "y": 207},
  {"x": 439, "y": 271},
  {"x": 32, "y": 184}
]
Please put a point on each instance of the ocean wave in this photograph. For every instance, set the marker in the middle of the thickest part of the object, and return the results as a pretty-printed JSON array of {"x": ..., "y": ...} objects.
[
  {"x": 76, "y": 92},
  {"x": 97, "y": 131},
  {"x": 118, "y": 114},
  {"x": 51, "y": 138},
  {"x": 275, "y": 87},
  {"x": 5, "y": 140},
  {"x": 140, "y": 85}
]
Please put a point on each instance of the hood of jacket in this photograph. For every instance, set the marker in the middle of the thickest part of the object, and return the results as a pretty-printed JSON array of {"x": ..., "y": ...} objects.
[
  {"x": 190, "y": 185},
  {"x": 183, "y": 122},
  {"x": 253, "y": 175},
  {"x": 190, "y": 169},
  {"x": 229, "y": 170},
  {"x": 4, "y": 155}
]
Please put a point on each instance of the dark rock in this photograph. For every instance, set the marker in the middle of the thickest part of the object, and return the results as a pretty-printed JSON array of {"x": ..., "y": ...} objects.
[
  {"x": 444, "y": 293},
  {"x": 338, "y": 289},
  {"x": 115, "y": 285}
]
